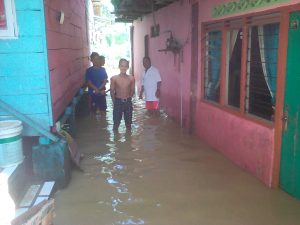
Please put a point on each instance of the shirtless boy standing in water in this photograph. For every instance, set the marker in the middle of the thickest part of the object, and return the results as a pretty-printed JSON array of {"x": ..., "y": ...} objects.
[{"x": 121, "y": 91}]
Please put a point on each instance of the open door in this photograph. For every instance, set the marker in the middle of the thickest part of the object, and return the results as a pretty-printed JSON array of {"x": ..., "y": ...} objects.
[
  {"x": 146, "y": 45},
  {"x": 290, "y": 149}
]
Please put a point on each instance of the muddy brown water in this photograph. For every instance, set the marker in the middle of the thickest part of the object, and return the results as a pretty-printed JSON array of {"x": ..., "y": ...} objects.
[{"x": 159, "y": 175}]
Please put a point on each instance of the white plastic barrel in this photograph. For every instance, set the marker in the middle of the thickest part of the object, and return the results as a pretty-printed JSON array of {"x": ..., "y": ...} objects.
[{"x": 11, "y": 151}]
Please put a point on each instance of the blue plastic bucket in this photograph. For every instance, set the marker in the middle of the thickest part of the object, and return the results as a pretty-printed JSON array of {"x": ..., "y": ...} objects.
[{"x": 11, "y": 152}]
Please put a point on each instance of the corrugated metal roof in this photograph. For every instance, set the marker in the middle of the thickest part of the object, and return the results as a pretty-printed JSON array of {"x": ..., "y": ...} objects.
[{"x": 129, "y": 10}]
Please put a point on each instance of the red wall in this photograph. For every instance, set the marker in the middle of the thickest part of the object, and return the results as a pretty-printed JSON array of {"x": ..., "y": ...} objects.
[
  {"x": 68, "y": 50},
  {"x": 248, "y": 144}
]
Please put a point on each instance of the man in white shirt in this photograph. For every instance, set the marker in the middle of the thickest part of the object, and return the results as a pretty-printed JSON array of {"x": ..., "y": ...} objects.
[{"x": 151, "y": 82}]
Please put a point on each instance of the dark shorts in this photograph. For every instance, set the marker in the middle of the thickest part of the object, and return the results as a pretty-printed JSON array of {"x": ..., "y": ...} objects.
[
  {"x": 99, "y": 102},
  {"x": 122, "y": 106}
]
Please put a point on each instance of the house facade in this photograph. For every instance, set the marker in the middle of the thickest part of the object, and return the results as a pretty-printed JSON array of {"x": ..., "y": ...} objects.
[
  {"x": 44, "y": 49},
  {"x": 230, "y": 76}
]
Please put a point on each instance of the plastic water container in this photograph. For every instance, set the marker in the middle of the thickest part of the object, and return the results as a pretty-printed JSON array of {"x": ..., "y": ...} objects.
[{"x": 11, "y": 151}]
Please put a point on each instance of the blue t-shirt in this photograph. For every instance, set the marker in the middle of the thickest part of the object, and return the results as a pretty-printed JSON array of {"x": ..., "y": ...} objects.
[{"x": 96, "y": 75}]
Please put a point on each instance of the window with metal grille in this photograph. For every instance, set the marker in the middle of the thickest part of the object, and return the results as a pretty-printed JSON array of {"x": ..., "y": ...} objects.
[
  {"x": 250, "y": 47},
  {"x": 8, "y": 26},
  {"x": 212, "y": 65},
  {"x": 262, "y": 70}
]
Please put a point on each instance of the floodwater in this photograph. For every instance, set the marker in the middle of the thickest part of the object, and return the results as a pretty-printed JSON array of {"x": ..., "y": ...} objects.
[{"x": 159, "y": 175}]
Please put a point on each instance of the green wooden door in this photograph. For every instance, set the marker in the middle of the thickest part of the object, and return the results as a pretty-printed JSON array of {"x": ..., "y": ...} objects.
[{"x": 290, "y": 150}]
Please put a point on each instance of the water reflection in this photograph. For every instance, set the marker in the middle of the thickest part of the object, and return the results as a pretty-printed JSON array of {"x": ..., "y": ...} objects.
[{"x": 113, "y": 166}]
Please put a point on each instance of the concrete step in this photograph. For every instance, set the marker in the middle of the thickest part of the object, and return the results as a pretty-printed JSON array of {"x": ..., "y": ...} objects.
[
  {"x": 34, "y": 195},
  {"x": 19, "y": 192}
]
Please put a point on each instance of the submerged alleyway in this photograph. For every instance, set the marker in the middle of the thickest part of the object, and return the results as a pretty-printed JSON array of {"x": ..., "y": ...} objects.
[{"x": 158, "y": 175}]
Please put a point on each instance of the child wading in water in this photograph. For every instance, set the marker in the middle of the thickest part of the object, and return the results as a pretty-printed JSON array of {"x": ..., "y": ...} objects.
[
  {"x": 96, "y": 79},
  {"x": 122, "y": 90}
]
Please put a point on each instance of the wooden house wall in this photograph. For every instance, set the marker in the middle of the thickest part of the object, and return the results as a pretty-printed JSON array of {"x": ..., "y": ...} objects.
[
  {"x": 24, "y": 82},
  {"x": 68, "y": 50}
]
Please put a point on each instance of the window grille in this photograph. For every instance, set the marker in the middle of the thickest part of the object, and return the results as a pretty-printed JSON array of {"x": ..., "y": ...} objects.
[
  {"x": 262, "y": 70},
  {"x": 257, "y": 93}
]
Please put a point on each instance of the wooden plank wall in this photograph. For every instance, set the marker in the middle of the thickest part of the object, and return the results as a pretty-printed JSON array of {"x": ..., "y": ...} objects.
[
  {"x": 24, "y": 82},
  {"x": 68, "y": 50}
]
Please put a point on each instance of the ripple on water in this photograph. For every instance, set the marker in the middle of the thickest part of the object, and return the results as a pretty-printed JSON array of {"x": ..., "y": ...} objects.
[
  {"x": 119, "y": 167},
  {"x": 108, "y": 158}
]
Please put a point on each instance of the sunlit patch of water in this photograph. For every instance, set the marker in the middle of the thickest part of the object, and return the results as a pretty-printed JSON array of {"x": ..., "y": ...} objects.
[
  {"x": 108, "y": 158},
  {"x": 113, "y": 167},
  {"x": 130, "y": 221}
]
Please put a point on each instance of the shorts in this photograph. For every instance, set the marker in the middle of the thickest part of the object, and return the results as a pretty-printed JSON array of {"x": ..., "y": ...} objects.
[
  {"x": 99, "y": 102},
  {"x": 152, "y": 105}
]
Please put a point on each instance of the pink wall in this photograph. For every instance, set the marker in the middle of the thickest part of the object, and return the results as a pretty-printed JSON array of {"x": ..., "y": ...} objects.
[
  {"x": 172, "y": 71},
  {"x": 67, "y": 50},
  {"x": 248, "y": 144}
]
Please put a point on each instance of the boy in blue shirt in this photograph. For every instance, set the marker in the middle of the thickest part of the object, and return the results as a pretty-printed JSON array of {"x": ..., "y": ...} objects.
[{"x": 96, "y": 78}]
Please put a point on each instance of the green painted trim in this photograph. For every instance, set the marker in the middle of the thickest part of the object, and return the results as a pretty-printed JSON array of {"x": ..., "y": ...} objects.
[
  {"x": 10, "y": 139},
  {"x": 242, "y": 6}
]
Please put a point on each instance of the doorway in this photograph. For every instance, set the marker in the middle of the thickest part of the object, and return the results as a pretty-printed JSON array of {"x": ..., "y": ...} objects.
[
  {"x": 290, "y": 149},
  {"x": 146, "y": 45}
]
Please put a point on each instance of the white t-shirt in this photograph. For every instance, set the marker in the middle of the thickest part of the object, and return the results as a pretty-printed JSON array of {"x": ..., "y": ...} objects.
[{"x": 149, "y": 80}]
